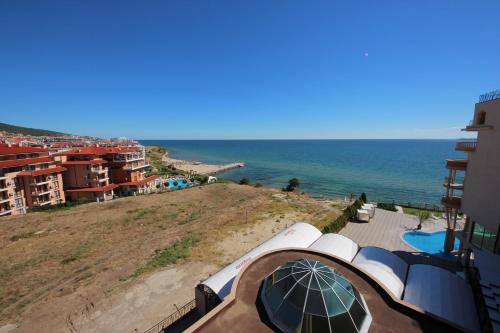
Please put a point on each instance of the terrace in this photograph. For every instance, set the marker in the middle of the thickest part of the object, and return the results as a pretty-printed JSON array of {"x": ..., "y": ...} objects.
[{"x": 385, "y": 229}]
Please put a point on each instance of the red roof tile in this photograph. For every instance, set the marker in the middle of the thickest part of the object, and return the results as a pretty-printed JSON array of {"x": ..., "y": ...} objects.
[
  {"x": 140, "y": 182},
  {"x": 41, "y": 172},
  {"x": 20, "y": 150},
  {"x": 91, "y": 162},
  {"x": 93, "y": 189},
  {"x": 96, "y": 151},
  {"x": 25, "y": 161}
]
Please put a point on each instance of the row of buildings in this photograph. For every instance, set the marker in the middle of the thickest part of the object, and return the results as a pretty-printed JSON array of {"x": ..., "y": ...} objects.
[{"x": 49, "y": 172}]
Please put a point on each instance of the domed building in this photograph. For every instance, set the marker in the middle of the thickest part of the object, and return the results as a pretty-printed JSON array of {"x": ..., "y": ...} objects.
[{"x": 306, "y": 296}]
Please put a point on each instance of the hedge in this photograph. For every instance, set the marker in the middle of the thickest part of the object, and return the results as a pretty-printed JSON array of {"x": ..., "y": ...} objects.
[{"x": 349, "y": 214}]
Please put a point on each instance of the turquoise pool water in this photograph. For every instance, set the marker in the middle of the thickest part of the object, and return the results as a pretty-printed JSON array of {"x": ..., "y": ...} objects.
[
  {"x": 178, "y": 183},
  {"x": 429, "y": 242}
]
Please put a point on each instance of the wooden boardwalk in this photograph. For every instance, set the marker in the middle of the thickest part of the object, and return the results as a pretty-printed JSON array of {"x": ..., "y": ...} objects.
[{"x": 385, "y": 229}]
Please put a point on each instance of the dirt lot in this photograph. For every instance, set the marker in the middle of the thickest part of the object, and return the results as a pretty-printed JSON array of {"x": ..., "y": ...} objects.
[{"x": 122, "y": 265}]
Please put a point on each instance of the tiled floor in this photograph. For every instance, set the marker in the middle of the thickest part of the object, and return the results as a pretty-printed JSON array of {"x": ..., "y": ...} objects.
[{"x": 385, "y": 230}]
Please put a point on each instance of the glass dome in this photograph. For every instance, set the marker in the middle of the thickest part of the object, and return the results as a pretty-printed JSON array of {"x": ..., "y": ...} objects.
[{"x": 305, "y": 296}]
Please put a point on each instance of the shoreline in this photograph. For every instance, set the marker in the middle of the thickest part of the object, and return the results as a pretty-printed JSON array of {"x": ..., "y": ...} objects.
[{"x": 199, "y": 167}]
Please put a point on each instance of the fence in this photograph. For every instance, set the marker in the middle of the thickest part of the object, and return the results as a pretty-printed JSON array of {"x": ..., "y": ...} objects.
[
  {"x": 433, "y": 207},
  {"x": 489, "y": 96},
  {"x": 181, "y": 312}
]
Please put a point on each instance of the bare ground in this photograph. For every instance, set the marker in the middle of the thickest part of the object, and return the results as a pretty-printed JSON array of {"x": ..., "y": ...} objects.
[{"x": 77, "y": 270}]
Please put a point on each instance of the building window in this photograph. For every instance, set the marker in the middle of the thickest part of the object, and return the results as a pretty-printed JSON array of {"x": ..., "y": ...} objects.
[
  {"x": 19, "y": 202},
  {"x": 483, "y": 238},
  {"x": 481, "y": 118}
]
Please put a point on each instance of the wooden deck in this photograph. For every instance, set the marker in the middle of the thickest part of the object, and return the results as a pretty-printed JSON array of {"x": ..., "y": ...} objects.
[{"x": 385, "y": 229}]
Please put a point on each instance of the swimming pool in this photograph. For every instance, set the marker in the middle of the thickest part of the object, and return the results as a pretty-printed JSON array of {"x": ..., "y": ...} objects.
[
  {"x": 429, "y": 242},
  {"x": 178, "y": 183}
]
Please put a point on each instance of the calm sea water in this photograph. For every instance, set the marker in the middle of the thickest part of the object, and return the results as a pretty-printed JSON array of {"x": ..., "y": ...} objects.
[{"x": 400, "y": 170}]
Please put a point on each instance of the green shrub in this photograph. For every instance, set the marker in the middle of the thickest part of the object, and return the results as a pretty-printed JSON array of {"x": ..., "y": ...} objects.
[
  {"x": 244, "y": 181},
  {"x": 387, "y": 206},
  {"x": 363, "y": 197},
  {"x": 349, "y": 214}
]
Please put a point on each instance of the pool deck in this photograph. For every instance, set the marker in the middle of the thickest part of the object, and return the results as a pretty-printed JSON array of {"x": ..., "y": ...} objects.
[{"x": 385, "y": 229}]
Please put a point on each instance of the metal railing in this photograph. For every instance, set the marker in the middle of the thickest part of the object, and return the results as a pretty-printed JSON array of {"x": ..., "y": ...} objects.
[
  {"x": 466, "y": 145},
  {"x": 181, "y": 312},
  {"x": 489, "y": 96}
]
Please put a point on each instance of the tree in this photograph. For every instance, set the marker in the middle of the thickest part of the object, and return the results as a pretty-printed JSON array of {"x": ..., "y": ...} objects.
[
  {"x": 422, "y": 216},
  {"x": 363, "y": 197},
  {"x": 294, "y": 183},
  {"x": 244, "y": 181}
]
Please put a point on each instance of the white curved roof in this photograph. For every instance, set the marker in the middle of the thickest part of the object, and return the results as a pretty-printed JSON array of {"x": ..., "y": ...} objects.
[
  {"x": 336, "y": 245},
  {"x": 300, "y": 235},
  {"x": 442, "y": 293},
  {"x": 385, "y": 266}
]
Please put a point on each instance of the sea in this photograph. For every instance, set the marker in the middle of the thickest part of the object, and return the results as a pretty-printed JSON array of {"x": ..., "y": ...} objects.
[{"x": 403, "y": 171}]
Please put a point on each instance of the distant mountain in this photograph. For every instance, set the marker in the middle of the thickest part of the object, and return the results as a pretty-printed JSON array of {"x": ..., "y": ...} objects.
[{"x": 26, "y": 130}]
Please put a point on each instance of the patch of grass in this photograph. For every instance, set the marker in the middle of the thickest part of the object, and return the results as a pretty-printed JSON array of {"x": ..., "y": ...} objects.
[
  {"x": 140, "y": 213},
  {"x": 417, "y": 211},
  {"x": 24, "y": 235},
  {"x": 169, "y": 255},
  {"x": 75, "y": 255}
]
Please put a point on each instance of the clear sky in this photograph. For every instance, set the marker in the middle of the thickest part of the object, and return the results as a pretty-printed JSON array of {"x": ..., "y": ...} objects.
[{"x": 247, "y": 69}]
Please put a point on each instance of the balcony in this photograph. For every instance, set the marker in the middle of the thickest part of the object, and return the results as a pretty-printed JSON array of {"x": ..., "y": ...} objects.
[
  {"x": 4, "y": 200},
  {"x": 466, "y": 145},
  {"x": 3, "y": 189},
  {"x": 98, "y": 170},
  {"x": 456, "y": 164},
  {"x": 136, "y": 167},
  {"x": 128, "y": 158},
  {"x": 5, "y": 212},
  {"x": 452, "y": 202}
]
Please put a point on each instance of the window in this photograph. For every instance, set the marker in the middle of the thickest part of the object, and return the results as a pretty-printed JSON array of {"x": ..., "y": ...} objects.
[
  {"x": 481, "y": 118},
  {"x": 483, "y": 238},
  {"x": 19, "y": 202}
]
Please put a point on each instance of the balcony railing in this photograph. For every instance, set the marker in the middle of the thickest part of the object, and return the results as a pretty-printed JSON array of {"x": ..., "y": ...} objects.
[
  {"x": 128, "y": 158},
  {"x": 456, "y": 164},
  {"x": 165, "y": 323},
  {"x": 5, "y": 212},
  {"x": 136, "y": 167},
  {"x": 452, "y": 184},
  {"x": 466, "y": 145}
]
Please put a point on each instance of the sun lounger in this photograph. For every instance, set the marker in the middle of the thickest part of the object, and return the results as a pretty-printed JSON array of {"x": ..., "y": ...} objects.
[
  {"x": 370, "y": 208},
  {"x": 363, "y": 215}
]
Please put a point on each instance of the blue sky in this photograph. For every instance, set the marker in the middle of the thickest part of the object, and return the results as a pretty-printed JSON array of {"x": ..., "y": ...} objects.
[{"x": 247, "y": 69}]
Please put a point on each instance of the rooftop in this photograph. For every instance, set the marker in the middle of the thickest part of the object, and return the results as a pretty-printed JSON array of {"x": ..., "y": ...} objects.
[{"x": 243, "y": 310}]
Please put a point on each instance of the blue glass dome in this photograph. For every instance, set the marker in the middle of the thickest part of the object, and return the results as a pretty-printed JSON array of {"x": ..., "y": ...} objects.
[{"x": 305, "y": 296}]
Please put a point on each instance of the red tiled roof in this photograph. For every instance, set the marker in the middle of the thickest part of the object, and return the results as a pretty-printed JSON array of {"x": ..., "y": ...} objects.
[
  {"x": 91, "y": 162},
  {"x": 96, "y": 151},
  {"x": 20, "y": 150},
  {"x": 93, "y": 189},
  {"x": 25, "y": 161},
  {"x": 41, "y": 172},
  {"x": 140, "y": 182}
]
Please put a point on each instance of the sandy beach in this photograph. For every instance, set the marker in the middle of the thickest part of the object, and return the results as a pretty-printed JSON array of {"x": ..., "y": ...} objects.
[{"x": 199, "y": 167}]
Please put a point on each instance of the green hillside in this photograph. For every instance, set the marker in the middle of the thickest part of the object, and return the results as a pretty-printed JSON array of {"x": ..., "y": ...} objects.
[{"x": 26, "y": 130}]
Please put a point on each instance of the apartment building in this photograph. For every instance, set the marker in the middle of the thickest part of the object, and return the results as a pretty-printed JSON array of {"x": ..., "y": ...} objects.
[
  {"x": 478, "y": 196},
  {"x": 99, "y": 173},
  {"x": 28, "y": 178}
]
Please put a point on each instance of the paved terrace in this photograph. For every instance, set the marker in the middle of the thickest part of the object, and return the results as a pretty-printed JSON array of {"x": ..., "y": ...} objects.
[{"x": 385, "y": 229}]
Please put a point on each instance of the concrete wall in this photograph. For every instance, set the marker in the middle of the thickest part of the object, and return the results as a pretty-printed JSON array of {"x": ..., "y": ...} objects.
[{"x": 481, "y": 198}]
